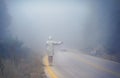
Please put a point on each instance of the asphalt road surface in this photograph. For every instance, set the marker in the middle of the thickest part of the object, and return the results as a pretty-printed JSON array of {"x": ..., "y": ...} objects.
[{"x": 78, "y": 65}]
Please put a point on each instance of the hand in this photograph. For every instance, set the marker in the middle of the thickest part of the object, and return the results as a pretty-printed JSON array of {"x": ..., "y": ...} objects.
[{"x": 61, "y": 42}]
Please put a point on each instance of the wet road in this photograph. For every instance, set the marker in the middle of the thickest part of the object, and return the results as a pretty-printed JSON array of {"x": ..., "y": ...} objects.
[{"x": 78, "y": 65}]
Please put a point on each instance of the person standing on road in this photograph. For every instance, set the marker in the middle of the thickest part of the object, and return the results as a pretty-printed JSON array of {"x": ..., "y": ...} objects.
[{"x": 50, "y": 43}]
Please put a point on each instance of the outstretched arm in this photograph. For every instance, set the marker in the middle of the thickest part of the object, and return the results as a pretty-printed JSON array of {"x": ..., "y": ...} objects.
[{"x": 57, "y": 42}]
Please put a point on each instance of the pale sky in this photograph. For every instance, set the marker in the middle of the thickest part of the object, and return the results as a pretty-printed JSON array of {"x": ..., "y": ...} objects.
[{"x": 76, "y": 23}]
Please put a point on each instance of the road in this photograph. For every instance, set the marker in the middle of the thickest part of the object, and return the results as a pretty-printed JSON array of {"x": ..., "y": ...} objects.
[{"x": 78, "y": 65}]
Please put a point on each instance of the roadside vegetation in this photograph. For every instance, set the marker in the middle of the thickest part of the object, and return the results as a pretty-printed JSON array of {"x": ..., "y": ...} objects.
[
  {"x": 16, "y": 60},
  {"x": 103, "y": 52}
]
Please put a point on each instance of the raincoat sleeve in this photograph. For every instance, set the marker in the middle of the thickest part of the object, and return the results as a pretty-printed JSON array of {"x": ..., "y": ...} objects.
[{"x": 57, "y": 42}]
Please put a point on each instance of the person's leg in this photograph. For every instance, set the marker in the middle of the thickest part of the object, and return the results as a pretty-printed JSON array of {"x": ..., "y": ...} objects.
[{"x": 50, "y": 60}]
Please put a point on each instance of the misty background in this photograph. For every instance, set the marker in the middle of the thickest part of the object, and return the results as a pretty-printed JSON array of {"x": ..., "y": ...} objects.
[
  {"x": 80, "y": 24},
  {"x": 89, "y": 26},
  {"x": 16, "y": 59}
]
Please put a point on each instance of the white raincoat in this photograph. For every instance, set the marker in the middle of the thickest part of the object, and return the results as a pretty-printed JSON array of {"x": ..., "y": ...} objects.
[{"x": 50, "y": 46}]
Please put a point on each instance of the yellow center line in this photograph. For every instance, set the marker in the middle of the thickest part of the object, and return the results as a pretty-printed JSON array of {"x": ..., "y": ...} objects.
[
  {"x": 97, "y": 66},
  {"x": 48, "y": 68}
]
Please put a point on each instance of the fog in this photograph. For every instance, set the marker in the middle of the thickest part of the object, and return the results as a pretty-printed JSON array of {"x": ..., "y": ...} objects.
[{"x": 79, "y": 24}]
